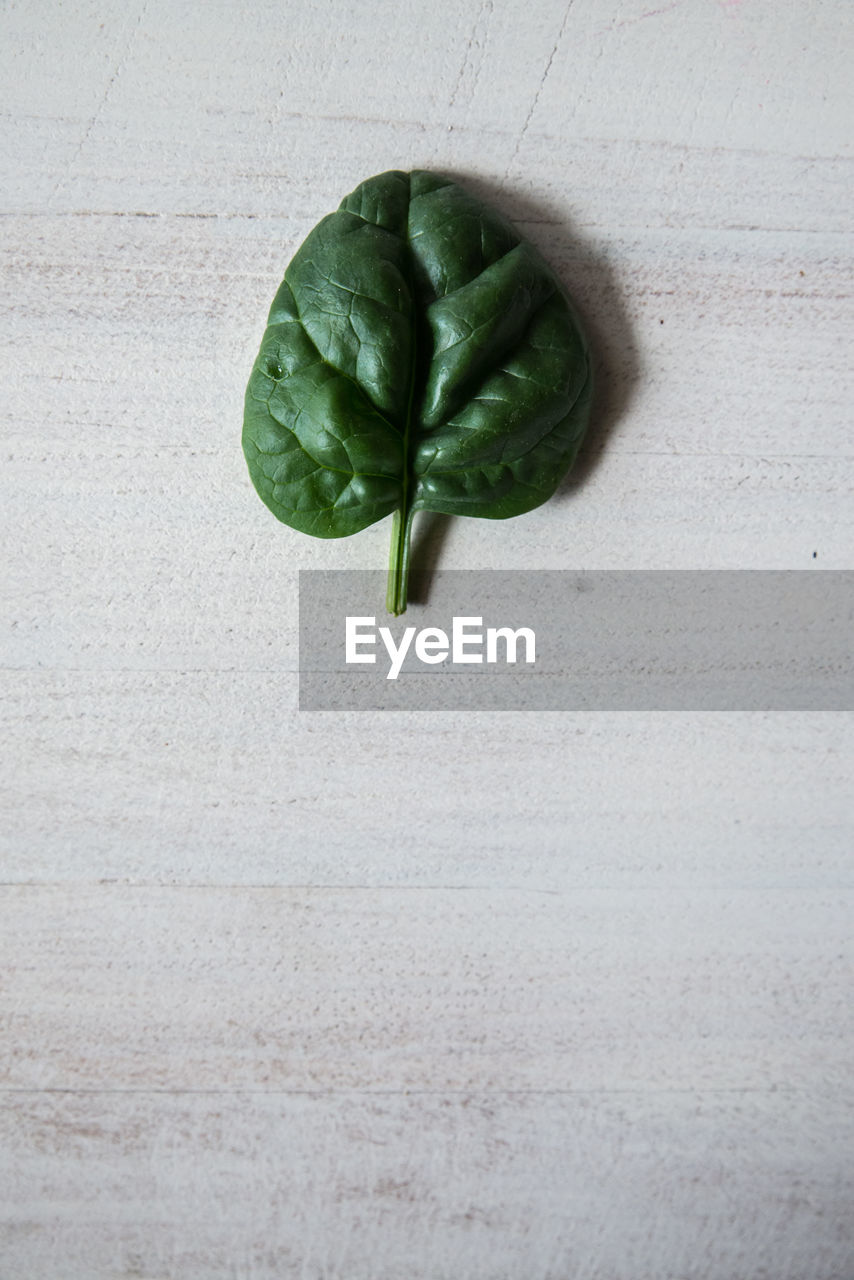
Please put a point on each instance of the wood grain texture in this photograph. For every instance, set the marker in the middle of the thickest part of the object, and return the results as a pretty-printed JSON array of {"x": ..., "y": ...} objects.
[
  {"x": 437, "y": 989},
  {"x": 215, "y": 778},
  {"x": 418, "y": 997},
  {"x": 637, "y": 1185}
]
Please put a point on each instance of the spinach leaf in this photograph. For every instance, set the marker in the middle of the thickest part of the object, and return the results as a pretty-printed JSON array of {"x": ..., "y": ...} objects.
[{"x": 419, "y": 356}]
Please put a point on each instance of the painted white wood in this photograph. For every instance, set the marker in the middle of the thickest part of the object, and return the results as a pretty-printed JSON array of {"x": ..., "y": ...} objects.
[
  {"x": 444, "y": 990},
  {"x": 422, "y": 996},
  {"x": 215, "y": 778},
  {"x": 635, "y": 1185}
]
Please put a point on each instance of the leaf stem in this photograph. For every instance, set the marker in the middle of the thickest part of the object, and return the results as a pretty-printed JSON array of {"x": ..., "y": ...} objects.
[{"x": 398, "y": 562}]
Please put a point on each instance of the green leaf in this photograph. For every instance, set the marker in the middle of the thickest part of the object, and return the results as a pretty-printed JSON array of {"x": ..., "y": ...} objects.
[{"x": 419, "y": 356}]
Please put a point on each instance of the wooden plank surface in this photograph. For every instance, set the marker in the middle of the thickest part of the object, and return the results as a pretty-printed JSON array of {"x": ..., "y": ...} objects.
[
  {"x": 436, "y": 996},
  {"x": 428, "y": 989},
  {"x": 215, "y": 778},
  {"x": 365, "y": 1185}
]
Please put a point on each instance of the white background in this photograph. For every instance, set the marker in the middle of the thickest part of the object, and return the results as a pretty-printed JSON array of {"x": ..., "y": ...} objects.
[{"x": 425, "y": 996}]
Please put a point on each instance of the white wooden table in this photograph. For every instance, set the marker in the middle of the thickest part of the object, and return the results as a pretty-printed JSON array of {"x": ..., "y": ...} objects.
[{"x": 429, "y": 996}]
